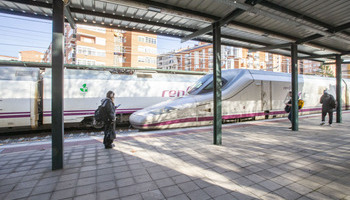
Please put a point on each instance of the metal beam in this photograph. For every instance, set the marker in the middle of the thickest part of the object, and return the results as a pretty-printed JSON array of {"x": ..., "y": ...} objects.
[
  {"x": 330, "y": 30},
  {"x": 338, "y": 88},
  {"x": 217, "y": 83},
  {"x": 157, "y": 4},
  {"x": 309, "y": 38},
  {"x": 345, "y": 53},
  {"x": 19, "y": 13},
  {"x": 197, "y": 33},
  {"x": 223, "y": 21},
  {"x": 57, "y": 84},
  {"x": 330, "y": 56},
  {"x": 279, "y": 8},
  {"x": 277, "y": 46},
  {"x": 294, "y": 59},
  {"x": 69, "y": 16}
]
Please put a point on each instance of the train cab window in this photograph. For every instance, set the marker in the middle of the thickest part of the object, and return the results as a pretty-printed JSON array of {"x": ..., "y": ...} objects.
[
  {"x": 210, "y": 87},
  {"x": 199, "y": 84}
]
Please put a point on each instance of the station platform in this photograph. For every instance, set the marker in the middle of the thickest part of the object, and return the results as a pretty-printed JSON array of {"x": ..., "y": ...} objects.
[{"x": 257, "y": 160}]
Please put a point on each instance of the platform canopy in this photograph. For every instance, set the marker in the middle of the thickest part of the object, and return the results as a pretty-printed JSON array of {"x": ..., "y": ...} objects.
[{"x": 319, "y": 27}]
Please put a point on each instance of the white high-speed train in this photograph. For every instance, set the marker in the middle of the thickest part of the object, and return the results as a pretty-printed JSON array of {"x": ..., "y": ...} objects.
[
  {"x": 245, "y": 94},
  {"x": 25, "y": 94}
]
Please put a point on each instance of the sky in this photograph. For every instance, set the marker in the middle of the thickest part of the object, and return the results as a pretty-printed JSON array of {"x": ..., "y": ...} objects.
[{"x": 23, "y": 33}]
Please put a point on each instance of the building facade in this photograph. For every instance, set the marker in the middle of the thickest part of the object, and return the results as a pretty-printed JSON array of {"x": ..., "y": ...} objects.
[
  {"x": 200, "y": 58},
  {"x": 98, "y": 46},
  {"x": 31, "y": 56}
]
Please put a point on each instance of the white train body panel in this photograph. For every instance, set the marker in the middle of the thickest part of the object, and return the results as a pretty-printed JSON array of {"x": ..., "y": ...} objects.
[
  {"x": 18, "y": 97},
  {"x": 245, "y": 94},
  {"x": 133, "y": 92}
]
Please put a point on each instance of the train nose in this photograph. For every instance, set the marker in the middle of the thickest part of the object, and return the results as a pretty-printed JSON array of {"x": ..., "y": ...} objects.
[{"x": 137, "y": 120}]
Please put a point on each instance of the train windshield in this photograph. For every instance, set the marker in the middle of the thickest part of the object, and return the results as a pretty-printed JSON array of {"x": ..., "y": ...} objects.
[
  {"x": 199, "y": 83},
  {"x": 210, "y": 87},
  {"x": 205, "y": 85}
]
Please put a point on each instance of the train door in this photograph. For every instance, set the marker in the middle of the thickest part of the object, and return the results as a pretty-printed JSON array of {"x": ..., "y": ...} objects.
[
  {"x": 266, "y": 96},
  {"x": 205, "y": 112}
]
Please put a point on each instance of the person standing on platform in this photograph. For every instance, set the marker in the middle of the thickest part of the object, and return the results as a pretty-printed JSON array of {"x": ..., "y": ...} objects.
[
  {"x": 109, "y": 127},
  {"x": 328, "y": 104},
  {"x": 288, "y": 107}
]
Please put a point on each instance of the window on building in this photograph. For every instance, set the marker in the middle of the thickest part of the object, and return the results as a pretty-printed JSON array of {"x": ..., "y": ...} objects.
[
  {"x": 100, "y": 41},
  {"x": 87, "y": 40},
  {"x": 196, "y": 59}
]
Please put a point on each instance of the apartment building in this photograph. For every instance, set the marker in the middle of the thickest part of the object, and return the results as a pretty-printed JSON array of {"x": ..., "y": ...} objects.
[
  {"x": 200, "y": 58},
  {"x": 8, "y": 58},
  {"x": 31, "y": 56},
  {"x": 99, "y": 46}
]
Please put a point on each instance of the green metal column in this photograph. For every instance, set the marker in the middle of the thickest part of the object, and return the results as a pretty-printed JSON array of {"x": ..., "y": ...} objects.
[
  {"x": 57, "y": 84},
  {"x": 217, "y": 83},
  {"x": 338, "y": 62},
  {"x": 295, "y": 117}
]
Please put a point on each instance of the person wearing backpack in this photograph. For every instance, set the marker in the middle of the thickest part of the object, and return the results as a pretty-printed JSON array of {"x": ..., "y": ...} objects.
[
  {"x": 109, "y": 119},
  {"x": 328, "y": 104}
]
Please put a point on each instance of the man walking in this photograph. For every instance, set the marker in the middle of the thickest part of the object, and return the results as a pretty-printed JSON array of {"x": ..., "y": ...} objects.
[{"x": 328, "y": 104}]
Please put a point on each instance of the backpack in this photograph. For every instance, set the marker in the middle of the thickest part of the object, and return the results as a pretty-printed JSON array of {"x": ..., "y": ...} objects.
[
  {"x": 287, "y": 109},
  {"x": 100, "y": 112}
]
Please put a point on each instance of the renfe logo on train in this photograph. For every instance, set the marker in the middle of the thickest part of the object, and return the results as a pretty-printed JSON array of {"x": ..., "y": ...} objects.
[{"x": 175, "y": 93}]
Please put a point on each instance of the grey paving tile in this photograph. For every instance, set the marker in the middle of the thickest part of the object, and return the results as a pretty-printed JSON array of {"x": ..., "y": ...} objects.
[
  {"x": 165, "y": 182},
  {"x": 287, "y": 193},
  {"x": 198, "y": 195},
  {"x": 47, "y": 181},
  {"x": 105, "y": 186},
  {"x": 188, "y": 186},
  {"x": 108, "y": 194},
  {"x": 128, "y": 191},
  {"x": 317, "y": 195},
  {"x": 171, "y": 191},
  {"x": 132, "y": 197},
  {"x": 179, "y": 197},
  {"x": 43, "y": 189},
  {"x": 63, "y": 194},
  {"x": 270, "y": 185},
  {"x": 66, "y": 184},
  {"x": 225, "y": 197},
  {"x": 7, "y": 188},
  {"x": 92, "y": 196},
  {"x": 243, "y": 181},
  {"x": 158, "y": 175},
  {"x": 69, "y": 177},
  {"x": 125, "y": 182},
  {"x": 142, "y": 178},
  {"x": 9, "y": 181},
  {"x": 45, "y": 196},
  {"x": 152, "y": 195},
  {"x": 255, "y": 178},
  {"x": 214, "y": 191},
  {"x": 86, "y": 181},
  {"x": 85, "y": 189},
  {"x": 332, "y": 193},
  {"x": 19, "y": 194},
  {"x": 181, "y": 179},
  {"x": 105, "y": 178},
  {"x": 121, "y": 175}
]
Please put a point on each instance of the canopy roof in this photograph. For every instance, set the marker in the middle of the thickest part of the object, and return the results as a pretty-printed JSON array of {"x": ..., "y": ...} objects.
[{"x": 320, "y": 27}]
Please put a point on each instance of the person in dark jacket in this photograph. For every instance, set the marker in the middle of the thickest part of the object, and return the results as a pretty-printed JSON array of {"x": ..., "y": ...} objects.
[
  {"x": 328, "y": 104},
  {"x": 289, "y": 104},
  {"x": 109, "y": 128}
]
